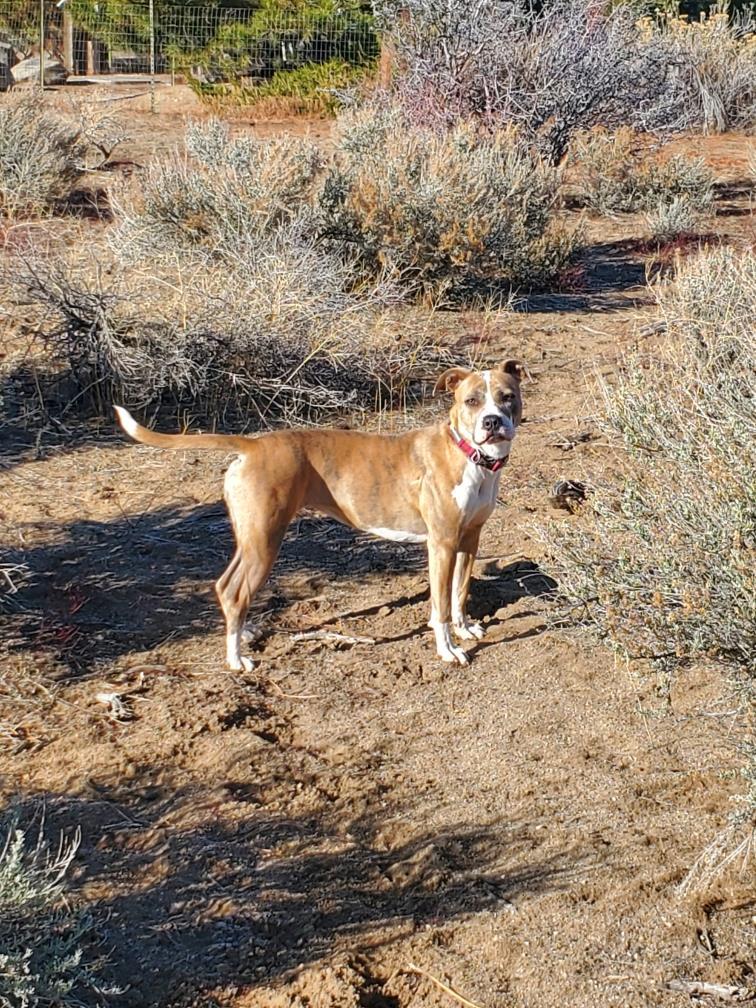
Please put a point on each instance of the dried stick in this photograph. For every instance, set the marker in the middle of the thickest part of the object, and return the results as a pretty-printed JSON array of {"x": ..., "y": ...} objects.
[{"x": 442, "y": 986}]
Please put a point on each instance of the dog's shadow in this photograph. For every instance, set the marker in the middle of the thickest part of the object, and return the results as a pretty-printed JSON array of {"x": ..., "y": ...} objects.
[
  {"x": 497, "y": 586},
  {"x": 99, "y": 590}
]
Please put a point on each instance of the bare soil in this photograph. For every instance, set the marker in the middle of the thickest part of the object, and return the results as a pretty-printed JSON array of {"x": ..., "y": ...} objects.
[{"x": 349, "y": 821}]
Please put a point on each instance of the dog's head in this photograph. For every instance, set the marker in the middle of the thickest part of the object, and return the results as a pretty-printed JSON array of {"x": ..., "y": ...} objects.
[{"x": 487, "y": 405}]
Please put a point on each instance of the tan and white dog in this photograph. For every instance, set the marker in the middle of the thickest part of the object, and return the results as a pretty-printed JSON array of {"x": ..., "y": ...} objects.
[{"x": 436, "y": 485}]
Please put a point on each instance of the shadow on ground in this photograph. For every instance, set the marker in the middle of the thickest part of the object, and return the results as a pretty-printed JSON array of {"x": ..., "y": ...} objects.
[
  {"x": 608, "y": 277},
  {"x": 103, "y": 589},
  {"x": 100, "y": 590},
  {"x": 245, "y": 902}
]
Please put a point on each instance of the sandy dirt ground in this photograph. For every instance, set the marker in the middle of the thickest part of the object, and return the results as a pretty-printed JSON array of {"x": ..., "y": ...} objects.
[{"x": 354, "y": 825}]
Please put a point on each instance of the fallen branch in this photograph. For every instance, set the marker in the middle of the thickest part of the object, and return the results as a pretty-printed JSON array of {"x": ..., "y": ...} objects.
[{"x": 332, "y": 635}]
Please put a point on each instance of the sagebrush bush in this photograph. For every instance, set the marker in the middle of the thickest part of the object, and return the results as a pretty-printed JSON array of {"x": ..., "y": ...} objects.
[
  {"x": 43, "y": 938},
  {"x": 619, "y": 174},
  {"x": 675, "y": 218},
  {"x": 284, "y": 331},
  {"x": 712, "y": 66},
  {"x": 456, "y": 212},
  {"x": 41, "y": 158},
  {"x": 663, "y": 560},
  {"x": 225, "y": 190}
]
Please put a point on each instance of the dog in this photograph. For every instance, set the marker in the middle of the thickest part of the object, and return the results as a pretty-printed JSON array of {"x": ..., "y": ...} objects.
[{"x": 436, "y": 485}]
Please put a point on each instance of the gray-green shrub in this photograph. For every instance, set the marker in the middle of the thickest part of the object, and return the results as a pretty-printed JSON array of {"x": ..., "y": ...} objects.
[
  {"x": 43, "y": 937},
  {"x": 617, "y": 173},
  {"x": 663, "y": 559},
  {"x": 212, "y": 200},
  {"x": 41, "y": 158}
]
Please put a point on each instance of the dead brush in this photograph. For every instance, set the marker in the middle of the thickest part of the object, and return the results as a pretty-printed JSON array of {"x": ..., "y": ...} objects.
[
  {"x": 13, "y": 576},
  {"x": 661, "y": 560},
  {"x": 621, "y": 172},
  {"x": 286, "y": 334},
  {"x": 547, "y": 70},
  {"x": 454, "y": 214},
  {"x": 713, "y": 65}
]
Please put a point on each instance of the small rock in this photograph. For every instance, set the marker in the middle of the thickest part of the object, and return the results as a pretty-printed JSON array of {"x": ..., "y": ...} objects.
[{"x": 28, "y": 70}]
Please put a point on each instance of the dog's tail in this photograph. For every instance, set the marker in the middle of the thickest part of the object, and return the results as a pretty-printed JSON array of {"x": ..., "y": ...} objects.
[{"x": 218, "y": 442}]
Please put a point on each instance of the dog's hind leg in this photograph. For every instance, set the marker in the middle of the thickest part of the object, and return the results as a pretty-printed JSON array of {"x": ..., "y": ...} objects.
[
  {"x": 260, "y": 516},
  {"x": 236, "y": 588}
]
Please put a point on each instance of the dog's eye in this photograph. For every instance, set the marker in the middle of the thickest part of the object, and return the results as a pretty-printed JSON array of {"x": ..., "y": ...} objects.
[
  {"x": 508, "y": 397},
  {"x": 471, "y": 402}
]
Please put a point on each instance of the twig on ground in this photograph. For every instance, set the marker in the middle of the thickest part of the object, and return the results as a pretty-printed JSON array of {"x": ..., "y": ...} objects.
[
  {"x": 292, "y": 696},
  {"x": 460, "y": 998},
  {"x": 722, "y": 991},
  {"x": 332, "y": 635}
]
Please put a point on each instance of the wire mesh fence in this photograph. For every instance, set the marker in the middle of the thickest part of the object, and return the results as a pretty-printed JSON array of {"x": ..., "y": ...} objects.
[{"x": 212, "y": 43}]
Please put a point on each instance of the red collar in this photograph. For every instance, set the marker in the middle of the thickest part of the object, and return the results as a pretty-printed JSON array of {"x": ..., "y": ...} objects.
[{"x": 476, "y": 455}]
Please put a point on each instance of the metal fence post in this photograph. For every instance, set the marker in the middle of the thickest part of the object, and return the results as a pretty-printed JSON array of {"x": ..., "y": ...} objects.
[
  {"x": 152, "y": 56},
  {"x": 42, "y": 45}
]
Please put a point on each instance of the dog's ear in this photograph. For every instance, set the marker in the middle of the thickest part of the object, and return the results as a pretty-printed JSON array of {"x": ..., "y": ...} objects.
[
  {"x": 517, "y": 369},
  {"x": 449, "y": 380}
]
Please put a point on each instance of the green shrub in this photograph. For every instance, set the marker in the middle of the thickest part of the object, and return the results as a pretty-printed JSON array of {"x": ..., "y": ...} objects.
[
  {"x": 459, "y": 212},
  {"x": 280, "y": 39},
  {"x": 41, "y": 158},
  {"x": 619, "y": 174},
  {"x": 306, "y": 90},
  {"x": 42, "y": 936}
]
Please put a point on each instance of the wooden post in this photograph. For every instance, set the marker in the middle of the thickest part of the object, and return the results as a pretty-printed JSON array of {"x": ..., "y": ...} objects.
[
  {"x": 68, "y": 52},
  {"x": 42, "y": 44},
  {"x": 90, "y": 58}
]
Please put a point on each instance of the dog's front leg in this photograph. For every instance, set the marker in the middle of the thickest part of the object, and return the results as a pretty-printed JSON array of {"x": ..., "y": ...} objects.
[
  {"x": 465, "y": 628},
  {"x": 441, "y": 559}
]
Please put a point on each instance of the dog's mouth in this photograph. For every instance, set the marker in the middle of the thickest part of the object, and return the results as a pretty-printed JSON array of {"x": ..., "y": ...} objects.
[{"x": 497, "y": 437}]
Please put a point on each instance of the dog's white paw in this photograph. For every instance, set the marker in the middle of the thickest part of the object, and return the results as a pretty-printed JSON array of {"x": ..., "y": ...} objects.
[
  {"x": 453, "y": 655},
  {"x": 445, "y": 649},
  {"x": 467, "y": 630},
  {"x": 242, "y": 664}
]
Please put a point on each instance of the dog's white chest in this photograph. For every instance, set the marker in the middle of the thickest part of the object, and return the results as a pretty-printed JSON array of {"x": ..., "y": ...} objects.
[{"x": 475, "y": 494}]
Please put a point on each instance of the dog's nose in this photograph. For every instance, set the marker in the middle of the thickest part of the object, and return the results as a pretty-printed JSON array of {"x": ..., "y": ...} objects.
[{"x": 491, "y": 422}]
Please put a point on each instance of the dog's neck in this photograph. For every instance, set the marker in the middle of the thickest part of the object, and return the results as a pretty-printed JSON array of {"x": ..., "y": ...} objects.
[{"x": 474, "y": 453}]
